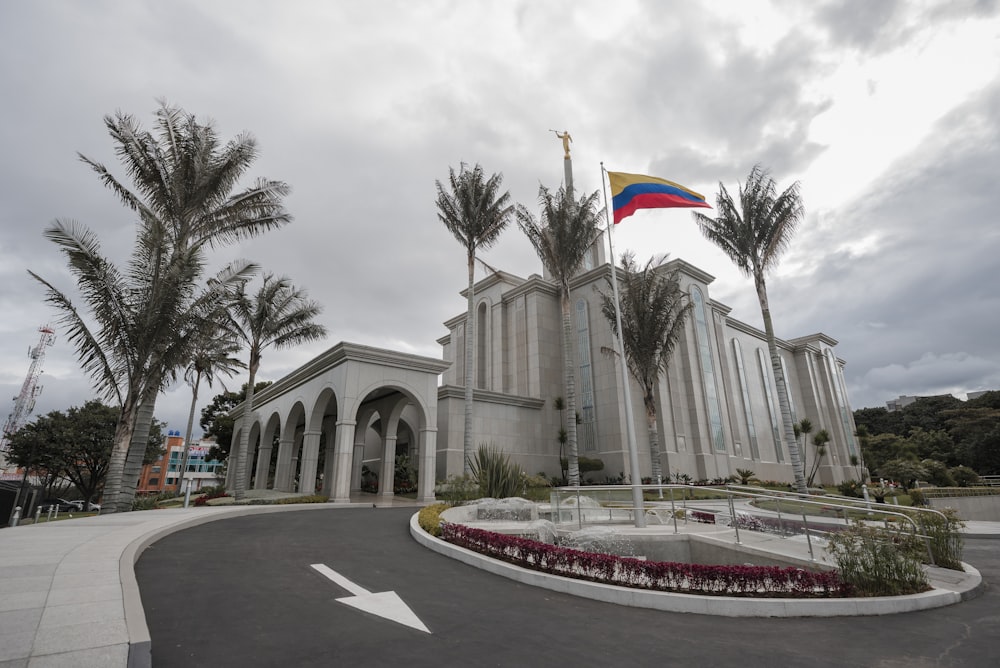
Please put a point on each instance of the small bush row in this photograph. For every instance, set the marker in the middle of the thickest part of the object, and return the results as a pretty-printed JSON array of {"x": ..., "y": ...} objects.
[
  {"x": 429, "y": 518},
  {"x": 757, "y": 581},
  {"x": 312, "y": 498},
  {"x": 214, "y": 493},
  {"x": 874, "y": 562}
]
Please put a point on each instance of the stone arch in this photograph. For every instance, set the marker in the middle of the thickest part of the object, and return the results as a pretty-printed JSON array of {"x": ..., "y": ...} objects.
[
  {"x": 266, "y": 452},
  {"x": 321, "y": 404},
  {"x": 289, "y": 447},
  {"x": 389, "y": 400},
  {"x": 318, "y": 439}
]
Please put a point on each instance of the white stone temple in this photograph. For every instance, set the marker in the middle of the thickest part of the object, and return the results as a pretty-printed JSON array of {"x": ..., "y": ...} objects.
[{"x": 357, "y": 409}]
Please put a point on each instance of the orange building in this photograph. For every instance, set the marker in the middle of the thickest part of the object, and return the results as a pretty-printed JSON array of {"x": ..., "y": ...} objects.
[{"x": 161, "y": 475}]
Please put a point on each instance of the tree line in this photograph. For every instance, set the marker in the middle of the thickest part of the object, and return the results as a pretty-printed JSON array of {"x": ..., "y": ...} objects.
[
  {"x": 940, "y": 439},
  {"x": 74, "y": 447}
]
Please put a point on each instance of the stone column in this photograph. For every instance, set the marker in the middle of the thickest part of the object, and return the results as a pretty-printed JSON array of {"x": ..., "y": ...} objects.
[
  {"x": 283, "y": 472},
  {"x": 341, "y": 489},
  {"x": 263, "y": 466},
  {"x": 358, "y": 462},
  {"x": 327, "y": 490},
  {"x": 427, "y": 454},
  {"x": 249, "y": 462},
  {"x": 386, "y": 475},
  {"x": 310, "y": 460}
]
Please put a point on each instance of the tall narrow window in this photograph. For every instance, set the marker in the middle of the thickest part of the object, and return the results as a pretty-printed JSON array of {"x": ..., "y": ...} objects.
[
  {"x": 788, "y": 388},
  {"x": 459, "y": 355},
  {"x": 482, "y": 351},
  {"x": 745, "y": 390},
  {"x": 765, "y": 379},
  {"x": 708, "y": 370},
  {"x": 840, "y": 392},
  {"x": 586, "y": 429}
]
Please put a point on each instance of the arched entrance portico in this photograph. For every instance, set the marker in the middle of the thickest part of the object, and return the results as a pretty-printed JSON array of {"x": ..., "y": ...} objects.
[{"x": 347, "y": 405}]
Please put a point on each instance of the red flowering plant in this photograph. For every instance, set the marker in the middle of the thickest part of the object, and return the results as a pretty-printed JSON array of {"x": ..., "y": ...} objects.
[{"x": 757, "y": 581}]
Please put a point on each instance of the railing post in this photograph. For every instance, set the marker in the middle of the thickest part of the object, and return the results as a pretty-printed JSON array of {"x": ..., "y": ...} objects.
[
  {"x": 673, "y": 510},
  {"x": 732, "y": 513},
  {"x": 805, "y": 523},
  {"x": 579, "y": 509},
  {"x": 781, "y": 525}
]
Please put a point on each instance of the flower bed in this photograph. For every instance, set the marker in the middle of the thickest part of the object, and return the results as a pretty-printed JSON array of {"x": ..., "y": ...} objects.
[{"x": 756, "y": 581}]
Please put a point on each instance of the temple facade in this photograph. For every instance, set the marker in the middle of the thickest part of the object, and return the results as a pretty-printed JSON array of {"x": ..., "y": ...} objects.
[
  {"x": 717, "y": 404},
  {"x": 354, "y": 417}
]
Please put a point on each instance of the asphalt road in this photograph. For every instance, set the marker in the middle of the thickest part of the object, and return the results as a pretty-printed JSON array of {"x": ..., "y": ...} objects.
[{"x": 241, "y": 592}]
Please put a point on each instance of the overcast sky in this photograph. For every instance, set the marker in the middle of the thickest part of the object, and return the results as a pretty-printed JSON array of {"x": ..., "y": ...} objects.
[{"x": 887, "y": 114}]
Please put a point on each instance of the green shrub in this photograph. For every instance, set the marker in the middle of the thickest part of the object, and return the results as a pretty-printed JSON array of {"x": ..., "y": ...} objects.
[
  {"x": 312, "y": 498},
  {"x": 878, "y": 562},
  {"x": 850, "y": 488},
  {"x": 585, "y": 464},
  {"x": 945, "y": 537},
  {"x": 964, "y": 476},
  {"x": 745, "y": 475},
  {"x": 429, "y": 518},
  {"x": 497, "y": 476},
  {"x": 459, "y": 489},
  {"x": 150, "y": 501}
]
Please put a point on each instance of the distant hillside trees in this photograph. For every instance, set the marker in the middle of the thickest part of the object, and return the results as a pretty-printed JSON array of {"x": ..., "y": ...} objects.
[{"x": 935, "y": 429}]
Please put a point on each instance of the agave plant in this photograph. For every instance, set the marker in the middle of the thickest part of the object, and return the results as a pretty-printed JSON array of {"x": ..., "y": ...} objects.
[{"x": 497, "y": 476}]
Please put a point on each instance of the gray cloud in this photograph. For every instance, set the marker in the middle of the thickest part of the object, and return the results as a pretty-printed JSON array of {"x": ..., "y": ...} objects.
[{"x": 362, "y": 106}]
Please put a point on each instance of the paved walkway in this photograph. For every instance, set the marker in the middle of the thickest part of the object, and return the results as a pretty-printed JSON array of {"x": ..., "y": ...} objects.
[{"x": 69, "y": 595}]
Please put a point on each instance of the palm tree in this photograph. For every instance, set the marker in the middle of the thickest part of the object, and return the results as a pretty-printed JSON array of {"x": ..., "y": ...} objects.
[
  {"x": 140, "y": 325},
  {"x": 803, "y": 427},
  {"x": 277, "y": 315},
  {"x": 476, "y": 212},
  {"x": 820, "y": 440},
  {"x": 653, "y": 311},
  {"x": 213, "y": 355},
  {"x": 562, "y": 238},
  {"x": 754, "y": 234},
  {"x": 182, "y": 190}
]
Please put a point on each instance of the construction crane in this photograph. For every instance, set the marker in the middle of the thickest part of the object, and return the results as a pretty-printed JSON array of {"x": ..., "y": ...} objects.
[{"x": 24, "y": 402}]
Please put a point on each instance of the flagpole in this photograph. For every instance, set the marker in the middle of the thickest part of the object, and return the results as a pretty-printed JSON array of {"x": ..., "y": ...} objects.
[{"x": 633, "y": 450}]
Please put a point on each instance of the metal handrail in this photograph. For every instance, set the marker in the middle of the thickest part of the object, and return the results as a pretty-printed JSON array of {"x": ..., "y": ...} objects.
[
  {"x": 729, "y": 494},
  {"x": 838, "y": 500}
]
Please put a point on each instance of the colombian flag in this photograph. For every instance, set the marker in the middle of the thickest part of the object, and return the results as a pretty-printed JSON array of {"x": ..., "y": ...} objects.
[{"x": 630, "y": 192}]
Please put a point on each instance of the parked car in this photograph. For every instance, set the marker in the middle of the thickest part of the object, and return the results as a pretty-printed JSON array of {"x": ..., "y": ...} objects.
[
  {"x": 61, "y": 505},
  {"x": 91, "y": 507}
]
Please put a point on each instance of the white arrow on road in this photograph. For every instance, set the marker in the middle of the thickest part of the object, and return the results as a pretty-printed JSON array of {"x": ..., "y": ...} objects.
[{"x": 385, "y": 604}]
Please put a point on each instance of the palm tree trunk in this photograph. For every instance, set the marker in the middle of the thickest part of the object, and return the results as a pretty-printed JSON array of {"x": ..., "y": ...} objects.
[
  {"x": 572, "y": 452},
  {"x": 469, "y": 342},
  {"x": 187, "y": 434},
  {"x": 119, "y": 453},
  {"x": 654, "y": 436},
  {"x": 246, "y": 421},
  {"x": 136, "y": 453},
  {"x": 779, "y": 380}
]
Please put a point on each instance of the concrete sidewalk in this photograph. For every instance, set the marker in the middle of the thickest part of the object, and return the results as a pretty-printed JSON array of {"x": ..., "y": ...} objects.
[{"x": 68, "y": 594}]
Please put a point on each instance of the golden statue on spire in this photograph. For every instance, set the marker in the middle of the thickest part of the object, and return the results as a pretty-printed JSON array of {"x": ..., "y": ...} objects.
[{"x": 566, "y": 139}]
